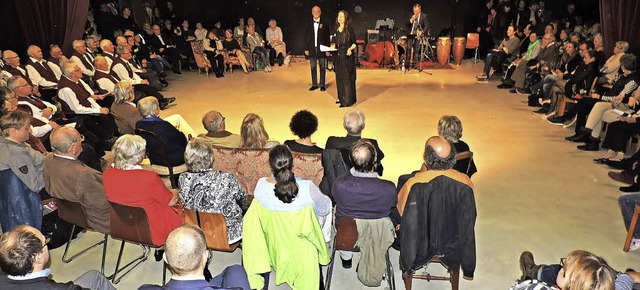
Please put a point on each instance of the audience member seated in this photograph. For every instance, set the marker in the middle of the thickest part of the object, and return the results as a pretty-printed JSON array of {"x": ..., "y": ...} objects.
[
  {"x": 217, "y": 29},
  {"x": 597, "y": 110},
  {"x": 438, "y": 195},
  {"x": 609, "y": 72},
  {"x": 78, "y": 102},
  {"x": 303, "y": 124},
  {"x": 238, "y": 31},
  {"x": 497, "y": 56},
  {"x": 91, "y": 43},
  {"x": 27, "y": 164},
  {"x": 532, "y": 50},
  {"x": 568, "y": 63},
  {"x": 108, "y": 51},
  {"x": 176, "y": 141},
  {"x": 207, "y": 190},
  {"x": 42, "y": 111},
  {"x": 275, "y": 41},
  {"x": 67, "y": 178},
  {"x": 579, "y": 270},
  {"x": 547, "y": 56},
  {"x": 124, "y": 108},
  {"x": 24, "y": 256},
  {"x": 354, "y": 123},
  {"x": 233, "y": 48},
  {"x": 360, "y": 194},
  {"x": 217, "y": 135},
  {"x": 598, "y": 47},
  {"x": 166, "y": 47},
  {"x": 105, "y": 82},
  {"x": 187, "y": 257},
  {"x": 214, "y": 50},
  {"x": 12, "y": 68},
  {"x": 128, "y": 184},
  {"x": 578, "y": 83},
  {"x": 122, "y": 70},
  {"x": 43, "y": 74},
  {"x": 200, "y": 32},
  {"x": 253, "y": 134},
  {"x": 450, "y": 129},
  {"x": 82, "y": 59},
  {"x": 56, "y": 57},
  {"x": 256, "y": 45}
]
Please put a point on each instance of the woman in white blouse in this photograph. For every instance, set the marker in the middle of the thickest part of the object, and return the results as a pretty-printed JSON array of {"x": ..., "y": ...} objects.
[
  {"x": 238, "y": 32},
  {"x": 276, "y": 41},
  {"x": 200, "y": 32}
]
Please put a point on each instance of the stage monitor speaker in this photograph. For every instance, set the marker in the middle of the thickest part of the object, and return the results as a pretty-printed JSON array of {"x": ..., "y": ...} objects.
[{"x": 373, "y": 36}]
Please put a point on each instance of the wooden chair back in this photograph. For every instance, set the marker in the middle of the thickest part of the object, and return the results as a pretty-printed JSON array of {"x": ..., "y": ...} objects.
[
  {"x": 346, "y": 234},
  {"x": 465, "y": 155},
  {"x": 473, "y": 41},
  {"x": 72, "y": 212},
  {"x": 130, "y": 224},
  {"x": 200, "y": 57},
  {"x": 214, "y": 227}
]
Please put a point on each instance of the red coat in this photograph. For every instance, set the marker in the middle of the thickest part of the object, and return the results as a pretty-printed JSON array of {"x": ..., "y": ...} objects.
[{"x": 145, "y": 189}]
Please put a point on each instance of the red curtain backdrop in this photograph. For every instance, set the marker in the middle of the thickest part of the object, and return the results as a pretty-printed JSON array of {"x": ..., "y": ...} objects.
[
  {"x": 46, "y": 22},
  {"x": 619, "y": 19}
]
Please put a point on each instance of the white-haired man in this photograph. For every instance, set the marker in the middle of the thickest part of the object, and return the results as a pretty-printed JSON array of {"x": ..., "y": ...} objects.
[
  {"x": 79, "y": 56},
  {"x": 217, "y": 135}
]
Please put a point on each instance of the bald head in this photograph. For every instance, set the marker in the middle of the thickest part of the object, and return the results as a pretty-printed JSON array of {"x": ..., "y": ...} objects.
[
  {"x": 35, "y": 52},
  {"x": 213, "y": 121},
  {"x": 10, "y": 57},
  {"x": 186, "y": 250},
  {"x": 64, "y": 141},
  {"x": 315, "y": 11},
  {"x": 363, "y": 156},
  {"x": 438, "y": 154}
]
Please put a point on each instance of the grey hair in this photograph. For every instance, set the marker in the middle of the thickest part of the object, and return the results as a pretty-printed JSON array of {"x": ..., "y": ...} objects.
[
  {"x": 148, "y": 107},
  {"x": 273, "y": 21},
  {"x": 450, "y": 128},
  {"x": 90, "y": 38},
  {"x": 435, "y": 162},
  {"x": 354, "y": 122},
  {"x": 623, "y": 45},
  {"x": 12, "y": 82},
  {"x": 212, "y": 121},
  {"x": 129, "y": 150},
  {"x": 61, "y": 144},
  {"x": 69, "y": 67},
  {"x": 104, "y": 43},
  {"x": 198, "y": 156},
  {"x": 123, "y": 91},
  {"x": 77, "y": 43}
]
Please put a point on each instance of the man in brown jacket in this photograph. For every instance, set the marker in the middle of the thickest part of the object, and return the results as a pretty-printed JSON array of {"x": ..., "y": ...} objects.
[{"x": 67, "y": 178}]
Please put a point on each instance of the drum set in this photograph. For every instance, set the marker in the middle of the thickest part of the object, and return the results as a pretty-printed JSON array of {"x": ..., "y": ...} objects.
[{"x": 430, "y": 48}]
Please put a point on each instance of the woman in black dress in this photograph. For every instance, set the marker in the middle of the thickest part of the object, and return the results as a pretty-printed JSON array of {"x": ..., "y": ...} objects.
[
  {"x": 345, "y": 60},
  {"x": 232, "y": 47}
]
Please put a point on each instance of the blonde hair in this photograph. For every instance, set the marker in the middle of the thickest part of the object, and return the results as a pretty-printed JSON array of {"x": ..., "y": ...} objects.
[
  {"x": 129, "y": 150},
  {"x": 14, "y": 120},
  {"x": 123, "y": 92},
  {"x": 450, "y": 128},
  {"x": 584, "y": 270},
  {"x": 252, "y": 132}
]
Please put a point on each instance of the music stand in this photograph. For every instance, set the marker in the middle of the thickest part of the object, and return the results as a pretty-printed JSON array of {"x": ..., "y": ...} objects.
[{"x": 383, "y": 30}]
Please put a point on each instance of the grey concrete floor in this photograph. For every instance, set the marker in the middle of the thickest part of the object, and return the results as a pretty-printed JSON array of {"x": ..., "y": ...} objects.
[{"x": 534, "y": 191}]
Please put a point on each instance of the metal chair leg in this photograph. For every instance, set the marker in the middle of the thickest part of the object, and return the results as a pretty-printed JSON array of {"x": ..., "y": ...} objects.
[
  {"x": 327, "y": 284},
  {"x": 391, "y": 280},
  {"x": 66, "y": 249},
  {"x": 131, "y": 265}
]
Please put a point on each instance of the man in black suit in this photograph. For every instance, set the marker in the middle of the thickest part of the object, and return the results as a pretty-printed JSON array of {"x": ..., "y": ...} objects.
[
  {"x": 317, "y": 33},
  {"x": 418, "y": 25},
  {"x": 166, "y": 47},
  {"x": 354, "y": 124}
]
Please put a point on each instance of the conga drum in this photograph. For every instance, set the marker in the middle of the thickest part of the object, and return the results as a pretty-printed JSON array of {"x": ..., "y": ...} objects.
[
  {"x": 444, "y": 49},
  {"x": 459, "y": 44}
]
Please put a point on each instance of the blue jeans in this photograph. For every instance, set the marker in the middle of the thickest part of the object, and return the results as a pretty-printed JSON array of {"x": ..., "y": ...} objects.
[
  {"x": 627, "y": 204},
  {"x": 314, "y": 70},
  {"x": 549, "y": 273},
  {"x": 547, "y": 85}
]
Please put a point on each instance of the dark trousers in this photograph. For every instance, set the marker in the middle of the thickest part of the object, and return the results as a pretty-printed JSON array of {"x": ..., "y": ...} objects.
[
  {"x": 315, "y": 60},
  {"x": 583, "y": 108},
  {"x": 412, "y": 48},
  {"x": 172, "y": 54},
  {"x": 548, "y": 274},
  {"x": 618, "y": 133},
  {"x": 494, "y": 60},
  {"x": 148, "y": 91},
  {"x": 217, "y": 62},
  {"x": 153, "y": 79}
]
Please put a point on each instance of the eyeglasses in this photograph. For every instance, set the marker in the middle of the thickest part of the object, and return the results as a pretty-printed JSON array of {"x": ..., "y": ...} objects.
[
  {"x": 25, "y": 85},
  {"x": 562, "y": 261},
  {"x": 47, "y": 239},
  {"x": 12, "y": 98}
]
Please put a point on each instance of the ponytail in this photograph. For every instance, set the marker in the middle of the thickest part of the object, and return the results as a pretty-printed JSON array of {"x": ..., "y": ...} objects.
[{"x": 281, "y": 162}]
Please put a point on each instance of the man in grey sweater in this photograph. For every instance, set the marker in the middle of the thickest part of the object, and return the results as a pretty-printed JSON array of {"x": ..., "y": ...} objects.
[{"x": 507, "y": 48}]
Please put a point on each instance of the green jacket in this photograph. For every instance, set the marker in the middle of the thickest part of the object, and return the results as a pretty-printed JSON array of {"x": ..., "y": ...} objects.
[{"x": 290, "y": 242}]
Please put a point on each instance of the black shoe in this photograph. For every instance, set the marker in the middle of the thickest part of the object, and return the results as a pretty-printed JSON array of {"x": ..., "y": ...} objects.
[
  {"x": 600, "y": 160},
  {"x": 346, "y": 263},
  {"x": 169, "y": 100},
  {"x": 556, "y": 120},
  {"x": 505, "y": 86},
  {"x": 592, "y": 145},
  {"x": 337, "y": 101},
  {"x": 633, "y": 188},
  {"x": 523, "y": 91},
  {"x": 323, "y": 88},
  {"x": 313, "y": 88},
  {"x": 615, "y": 164},
  {"x": 541, "y": 111},
  {"x": 178, "y": 72},
  {"x": 513, "y": 91},
  {"x": 158, "y": 255},
  {"x": 578, "y": 138}
]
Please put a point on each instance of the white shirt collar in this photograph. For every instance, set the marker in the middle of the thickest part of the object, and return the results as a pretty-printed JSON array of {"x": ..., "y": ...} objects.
[
  {"x": 63, "y": 156},
  {"x": 34, "y": 275}
]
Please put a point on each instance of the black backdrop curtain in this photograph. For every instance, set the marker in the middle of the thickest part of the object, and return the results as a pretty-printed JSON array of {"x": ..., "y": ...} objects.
[
  {"x": 619, "y": 19},
  {"x": 47, "y": 22}
]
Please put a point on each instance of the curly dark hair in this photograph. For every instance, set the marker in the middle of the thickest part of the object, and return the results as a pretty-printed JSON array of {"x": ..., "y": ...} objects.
[{"x": 303, "y": 124}]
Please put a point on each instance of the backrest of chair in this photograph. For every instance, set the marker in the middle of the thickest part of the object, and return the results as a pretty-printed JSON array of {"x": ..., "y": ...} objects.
[
  {"x": 308, "y": 166},
  {"x": 465, "y": 155},
  {"x": 346, "y": 233},
  {"x": 72, "y": 212},
  {"x": 198, "y": 53},
  {"x": 214, "y": 227},
  {"x": 197, "y": 47},
  {"x": 162, "y": 150},
  {"x": 473, "y": 40},
  {"x": 130, "y": 224}
]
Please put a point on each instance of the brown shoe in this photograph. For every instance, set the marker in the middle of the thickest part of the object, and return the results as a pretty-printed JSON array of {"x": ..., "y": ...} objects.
[
  {"x": 621, "y": 177},
  {"x": 528, "y": 266}
]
